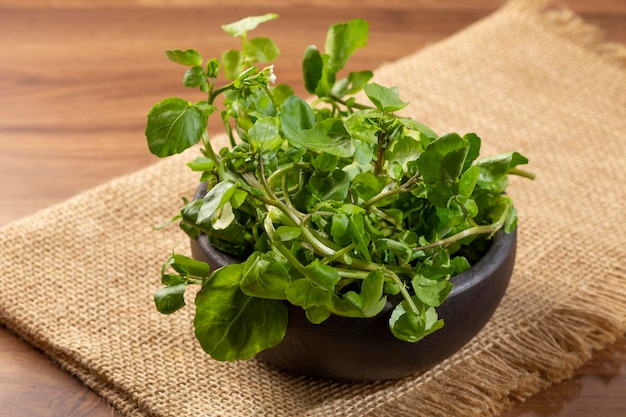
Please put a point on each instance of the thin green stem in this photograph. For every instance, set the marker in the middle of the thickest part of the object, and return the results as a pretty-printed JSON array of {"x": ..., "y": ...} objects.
[
  {"x": 270, "y": 199},
  {"x": 472, "y": 231},
  {"x": 488, "y": 229},
  {"x": 469, "y": 219},
  {"x": 276, "y": 175},
  {"x": 338, "y": 254},
  {"x": 354, "y": 105},
  {"x": 387, "y": 191},
  {"x": 209, "y": 151},
  {"x": 403, "y": 291},
  {"x": 378, "y": 212},
  {"x": 213, "y": 95},
  {"x": 352, "y": 274},
  {"x": 522, "y": 173},
  {"x": 317, "y": 245},
  {"x": 380, "y": 153},
  {"x": 278, "y": 244}
]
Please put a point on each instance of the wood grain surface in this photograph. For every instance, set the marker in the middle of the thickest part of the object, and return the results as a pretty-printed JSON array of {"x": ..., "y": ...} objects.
[{"x": 77, "y": 79}]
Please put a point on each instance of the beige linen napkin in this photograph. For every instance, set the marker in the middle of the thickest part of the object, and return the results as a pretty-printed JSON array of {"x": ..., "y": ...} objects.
[{"x": 78, "y": 278}]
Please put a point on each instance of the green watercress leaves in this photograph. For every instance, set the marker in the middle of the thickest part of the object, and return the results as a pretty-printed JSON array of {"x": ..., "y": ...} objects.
[
  {"x": 232, "y": 325},
  {"x": 335, "y": 205}
]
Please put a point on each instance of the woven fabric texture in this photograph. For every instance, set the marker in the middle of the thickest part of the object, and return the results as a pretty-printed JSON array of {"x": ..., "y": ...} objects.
[{"x": 529, "y": 78}]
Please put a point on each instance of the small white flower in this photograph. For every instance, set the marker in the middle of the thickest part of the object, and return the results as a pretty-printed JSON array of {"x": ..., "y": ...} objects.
[{"x": 270, "y": 72}]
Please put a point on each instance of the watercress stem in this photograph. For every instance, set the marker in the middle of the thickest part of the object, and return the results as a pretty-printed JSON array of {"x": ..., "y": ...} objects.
[
  {"x": 319, "y": 247},
  {"x": 271, "y": 199},
  {"x": 488, "y": 229},
  {"x": 286, "y": 170},
  {"x": 278, "y": 244},
  {"x": 338, "y": 254},
  {"x": 403, "y": 291},
  {"x": 213, "y": 95},
  {"x": 388, "y": 191},
  {"x": 209, "y": 151},
  {"x": 353, "y": 105},
  {"x": 522, "y": 173}
]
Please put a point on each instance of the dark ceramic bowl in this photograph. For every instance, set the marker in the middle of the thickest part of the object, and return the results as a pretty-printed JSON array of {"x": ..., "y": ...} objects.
[{"x": 364, "y": 349}]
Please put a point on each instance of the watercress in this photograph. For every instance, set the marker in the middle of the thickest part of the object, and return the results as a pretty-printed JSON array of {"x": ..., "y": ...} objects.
[{"x": 333, "y": 204}]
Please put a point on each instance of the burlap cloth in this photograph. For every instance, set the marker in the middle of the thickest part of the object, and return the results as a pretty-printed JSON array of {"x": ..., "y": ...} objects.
[{"x": 77, "y": 279}]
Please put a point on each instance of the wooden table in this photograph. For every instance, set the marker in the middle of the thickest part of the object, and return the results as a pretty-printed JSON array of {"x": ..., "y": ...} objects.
[{"x": 76, "y": 81}]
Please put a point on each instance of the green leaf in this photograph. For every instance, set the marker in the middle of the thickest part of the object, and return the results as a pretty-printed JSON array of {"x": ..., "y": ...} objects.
[
  {"x": 372, "y": 293},
  {"x": 241, "y": 27},
  {"x": 352, "y": 84},
  {"x": 265, "y": 275},
  {"x": 317, "y": 314},
  {"x": 170, "y": 299},
  {"x": 261, "y": 50},
  {"x": 215, "y": 198},
  {"x": 231, "y": 64},
  {"x": 460, "y": 264},
  {"x": 287, "y": 233},
  {"x": 238, "y": 198},
  {"x": 468, "y": 180},
  {"x": 312, "y": 68},
  {"x": 194, "y": 76},
  {"x": 497, "y": 166},
  {"x": 431, "y": 292},
  {"x": 264, "y": 134},
  {"x": 443, "y": 159},
  {"x": 281, "y": 93},
  {"x": 187, "y": 266},
  {"x": 213, "y": 68},
  {"x": 323, "y": 275},
  {"x": 432, "y": 321},
  {"x": 305, "y": 293},
  {"x": 231, "y": 325},
  {"x": 190, "y": 57},
  {"x": 205, "y": 107},
  {"x": 329, "y": 186},
  {"x": 474, "y": 149},
  {"x": 339, "y": 226},
  {"x": 360, "y": 238},
  {"x": 410, "y": 326},
  {"x": 405, "y": 324},
  {"x": 343, "y": 39},
  {"x": 367, "y": 185},
  {"x": 493, "y": 171},
  {"x": 511, "y": 221},
  {"x": 404, "y": 151},
  {"x": 400, "y": 250},
  {"x": 172, "y": 279},
  {"x": 224, "y": 217},
  {"x": 329, "y": 136},
  {"x": 325, "y": 162},
  {"x": 295, "y": 115},
  {"x": 201, "y": 164},
  {"x": 418, "y": 127},
  {"x": 368, "y": 303},
  {"x": 385, "y": 99},
  {"x": 174, "y": 125}
]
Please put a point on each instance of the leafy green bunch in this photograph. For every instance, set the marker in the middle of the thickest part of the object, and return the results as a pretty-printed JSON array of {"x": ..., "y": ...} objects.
[{"x": 334, "y": 204}]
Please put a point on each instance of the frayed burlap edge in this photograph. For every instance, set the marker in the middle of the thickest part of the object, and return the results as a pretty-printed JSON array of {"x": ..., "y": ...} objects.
[{"x": 513, "y": 368}]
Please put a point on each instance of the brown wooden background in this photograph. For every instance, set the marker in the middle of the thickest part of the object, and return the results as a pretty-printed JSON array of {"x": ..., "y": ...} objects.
[{"x": 78, "y": 77}]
